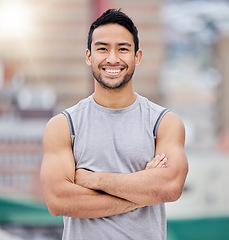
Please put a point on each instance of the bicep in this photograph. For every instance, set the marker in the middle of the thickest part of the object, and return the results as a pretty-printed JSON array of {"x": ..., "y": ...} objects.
[
  {"x": 58, "y": 162},
  {"x": 170, "y": 141}
]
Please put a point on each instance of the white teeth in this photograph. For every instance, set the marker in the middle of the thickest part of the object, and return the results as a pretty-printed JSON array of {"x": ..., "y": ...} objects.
[{"x": 113, "y": 70}]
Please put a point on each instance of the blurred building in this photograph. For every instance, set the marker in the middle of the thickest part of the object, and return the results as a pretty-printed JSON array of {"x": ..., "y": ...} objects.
[
  {"x": 195, "y": 86},
  {"x": 194, "y": 79}
]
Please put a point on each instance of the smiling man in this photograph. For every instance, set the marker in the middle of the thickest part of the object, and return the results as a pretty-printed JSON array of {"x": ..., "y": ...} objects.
[
  {"x": 111, "y": 161},
  {"x": 116, "y": 59}
]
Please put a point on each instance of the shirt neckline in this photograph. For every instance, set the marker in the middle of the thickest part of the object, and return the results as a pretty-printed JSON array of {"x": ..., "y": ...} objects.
[{"x": 114, "y": 111}]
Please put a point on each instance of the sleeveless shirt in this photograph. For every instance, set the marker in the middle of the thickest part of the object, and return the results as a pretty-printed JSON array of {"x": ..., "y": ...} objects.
[{"x": 122, "y": 141}]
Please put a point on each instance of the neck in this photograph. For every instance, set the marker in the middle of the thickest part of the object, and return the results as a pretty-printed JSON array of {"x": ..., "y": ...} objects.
[{"x": 114, "y": 98}]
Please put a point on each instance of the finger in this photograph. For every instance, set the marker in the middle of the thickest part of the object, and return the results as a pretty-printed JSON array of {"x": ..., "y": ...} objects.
[
  {"x": 158, "y": 159},
  {"x": 155, "y": 161},
  {"x": 162, "y": 163}
]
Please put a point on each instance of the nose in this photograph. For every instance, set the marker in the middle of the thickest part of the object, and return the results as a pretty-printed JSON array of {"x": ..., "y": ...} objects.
[{"x": 112, "y": 57}]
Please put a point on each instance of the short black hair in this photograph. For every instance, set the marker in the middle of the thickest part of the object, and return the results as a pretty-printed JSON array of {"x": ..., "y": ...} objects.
[{"x": 118, "y": 17}]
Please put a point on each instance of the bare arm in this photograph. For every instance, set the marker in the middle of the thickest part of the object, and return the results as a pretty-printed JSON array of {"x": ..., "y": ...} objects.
[
  {"x": 152, "y": 185},
  {"x": 62, "y": 195}
]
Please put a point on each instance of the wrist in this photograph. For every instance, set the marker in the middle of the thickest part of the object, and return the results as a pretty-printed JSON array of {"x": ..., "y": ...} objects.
[{"x": 94, "y": 180}]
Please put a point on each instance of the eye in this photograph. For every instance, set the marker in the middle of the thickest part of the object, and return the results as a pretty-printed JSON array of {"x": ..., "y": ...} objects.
[
  {"x": 102, "y": 49},
  {"x": 123, "y": 49}
]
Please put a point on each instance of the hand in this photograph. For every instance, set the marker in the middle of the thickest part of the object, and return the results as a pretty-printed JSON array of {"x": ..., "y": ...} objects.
[
  {"x": 157, "y": 162},
  {"x": 84, "y": 178}
]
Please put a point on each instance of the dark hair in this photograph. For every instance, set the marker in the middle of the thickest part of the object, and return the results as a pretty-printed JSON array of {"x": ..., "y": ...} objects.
[{"x": 114, "y": 16}]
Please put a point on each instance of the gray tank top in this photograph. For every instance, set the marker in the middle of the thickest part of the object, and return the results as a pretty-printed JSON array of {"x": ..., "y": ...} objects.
[{"x": 115, "y": 140}]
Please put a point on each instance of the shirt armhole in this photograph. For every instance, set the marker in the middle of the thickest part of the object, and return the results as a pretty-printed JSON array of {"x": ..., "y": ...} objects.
[
  {"x": 157, "y": 124},
  {"x": 72, "y": 132}
]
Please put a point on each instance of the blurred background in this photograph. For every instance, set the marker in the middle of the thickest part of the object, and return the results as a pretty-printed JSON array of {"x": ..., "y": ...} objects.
[{"x": 185, "y": 68}]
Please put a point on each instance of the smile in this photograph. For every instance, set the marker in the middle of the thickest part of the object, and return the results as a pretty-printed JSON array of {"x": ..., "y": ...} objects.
[{"x": 113, "y": 71}]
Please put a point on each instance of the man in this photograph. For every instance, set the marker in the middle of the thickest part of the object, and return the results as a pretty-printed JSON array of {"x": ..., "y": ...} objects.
[{"x": 99, "y": 169}]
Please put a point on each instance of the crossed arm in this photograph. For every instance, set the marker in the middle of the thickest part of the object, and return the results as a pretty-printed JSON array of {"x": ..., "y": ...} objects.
[
  {"x": 75, "y": 194},
  {"x": 62, "y": 196},
  {"x": 150, "y": 186}
]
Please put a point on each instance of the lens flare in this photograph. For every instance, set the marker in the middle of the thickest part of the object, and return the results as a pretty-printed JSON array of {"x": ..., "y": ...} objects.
[{"x": 15, "y": 19}]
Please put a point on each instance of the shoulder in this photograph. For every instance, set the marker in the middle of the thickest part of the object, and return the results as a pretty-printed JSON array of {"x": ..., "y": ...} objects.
[
  {"x": 146, "y": 103},
  {"x": 171, "y": 120},
  {"x": 57, "y": 124},
  {"x": 171, "y": 128},
  {"x": 154, "y": 109},
  {"x": 81, "y": 105},
  {"x": 56, "y": 132}
]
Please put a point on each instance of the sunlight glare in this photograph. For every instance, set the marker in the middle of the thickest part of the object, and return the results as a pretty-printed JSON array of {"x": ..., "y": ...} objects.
[{"x": 15, "y": 19}]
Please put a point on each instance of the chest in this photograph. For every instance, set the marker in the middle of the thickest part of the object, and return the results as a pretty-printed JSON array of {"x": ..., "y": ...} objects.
[{"x": 114, "y": 143}]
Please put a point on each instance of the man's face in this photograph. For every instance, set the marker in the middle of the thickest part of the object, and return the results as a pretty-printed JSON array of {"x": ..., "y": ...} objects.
[{"x": 112, "y": 56}]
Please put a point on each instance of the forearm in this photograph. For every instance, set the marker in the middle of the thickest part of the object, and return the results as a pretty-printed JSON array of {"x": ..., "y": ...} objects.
[
  {"x": 75, "y": 201},
  {"x": 159, "y": 182},
  {"x": 141, "y": 187}
]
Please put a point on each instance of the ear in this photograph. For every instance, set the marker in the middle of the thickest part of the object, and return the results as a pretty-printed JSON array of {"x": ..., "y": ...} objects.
[
  {"x": 138, "y": 57},
  {"x": 88, "y": 57}
]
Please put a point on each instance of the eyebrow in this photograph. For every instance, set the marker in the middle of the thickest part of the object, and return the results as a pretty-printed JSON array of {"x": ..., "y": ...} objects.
[
  {"x": 107, "y": 44},
  {"x": 101, "y": 43},
  {"x": 124, "y": 44}
]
